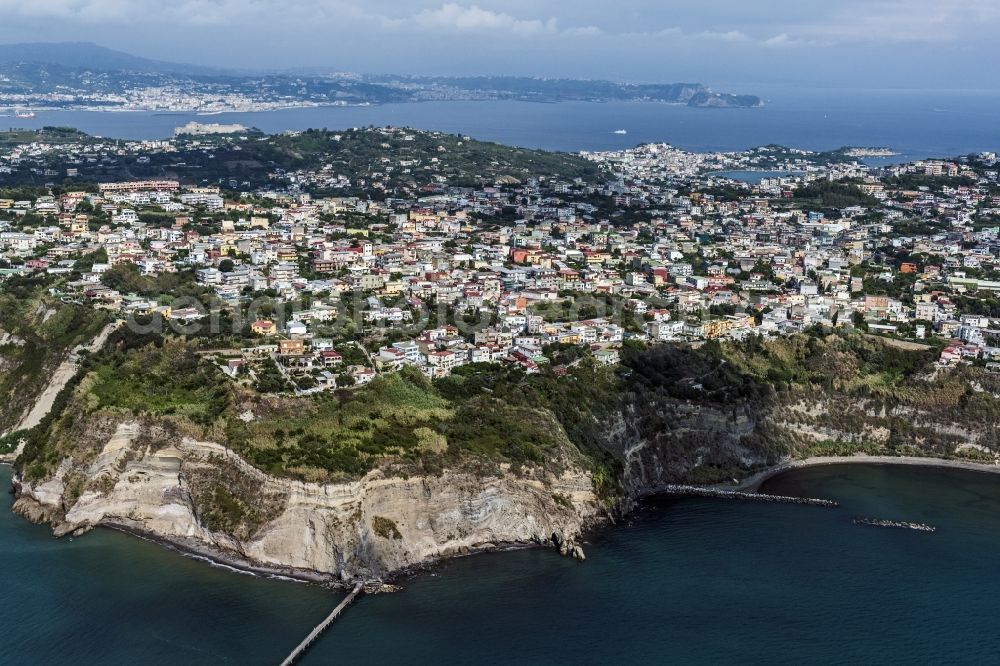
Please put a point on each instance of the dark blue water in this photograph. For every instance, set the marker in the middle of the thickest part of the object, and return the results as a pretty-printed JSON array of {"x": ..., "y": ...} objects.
[
  {"x": 915, "y": 123},
  {"x": 687, "y": 581},
  {"x": 709, "y": 582},
  {"x": 108, "y": 598}
]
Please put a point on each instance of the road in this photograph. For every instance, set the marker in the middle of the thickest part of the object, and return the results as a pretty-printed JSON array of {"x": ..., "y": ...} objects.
[{"x": 65, "y": 372}]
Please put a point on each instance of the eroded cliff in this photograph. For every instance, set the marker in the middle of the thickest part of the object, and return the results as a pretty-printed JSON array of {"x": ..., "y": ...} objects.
[
  {"x": 365, "y": 483},
  {"x": 364, "y": 529}
]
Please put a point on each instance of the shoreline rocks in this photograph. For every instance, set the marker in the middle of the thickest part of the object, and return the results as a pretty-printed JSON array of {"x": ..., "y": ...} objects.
[
  {"x": 699, "y": 491},
  {"x": 568, "y": 547}
]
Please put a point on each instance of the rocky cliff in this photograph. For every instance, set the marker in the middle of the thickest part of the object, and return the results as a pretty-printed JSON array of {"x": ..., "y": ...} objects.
[
  {"x": 479, "y": 461},
  {"x": 361, "y": 530}
]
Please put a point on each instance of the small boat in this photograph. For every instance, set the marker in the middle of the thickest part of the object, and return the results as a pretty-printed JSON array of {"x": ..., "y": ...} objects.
[
  {"x": 621, "y": 131},
  {"x": 24, "y": 114}
]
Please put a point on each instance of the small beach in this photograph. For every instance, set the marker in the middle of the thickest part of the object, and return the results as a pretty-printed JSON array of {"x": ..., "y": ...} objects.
[{"x": 755, "y": 482}]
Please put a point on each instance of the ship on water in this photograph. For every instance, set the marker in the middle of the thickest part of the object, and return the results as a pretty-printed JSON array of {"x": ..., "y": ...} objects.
[
  {"x": 621, "y": 131},
  {"x": 24, "y": 114}
]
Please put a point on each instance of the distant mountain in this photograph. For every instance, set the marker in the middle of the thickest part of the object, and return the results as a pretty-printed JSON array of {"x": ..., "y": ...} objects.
[{"x": 86, "y": 55}]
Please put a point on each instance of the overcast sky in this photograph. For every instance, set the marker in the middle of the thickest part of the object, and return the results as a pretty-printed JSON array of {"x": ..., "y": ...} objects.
[{"x": 866, "y": 43}]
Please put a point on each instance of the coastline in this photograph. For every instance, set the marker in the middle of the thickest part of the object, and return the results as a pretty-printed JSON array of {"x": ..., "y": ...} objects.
[
  {"x": 219, "y": 558},
  {"x": 753, "y": 483},
  {"x": 226, "y": 560},
  {"x": 233, "y": 562}
]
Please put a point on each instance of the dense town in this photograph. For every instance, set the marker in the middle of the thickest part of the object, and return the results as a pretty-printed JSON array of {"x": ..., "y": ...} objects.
[{"x": 324, "y": 279}]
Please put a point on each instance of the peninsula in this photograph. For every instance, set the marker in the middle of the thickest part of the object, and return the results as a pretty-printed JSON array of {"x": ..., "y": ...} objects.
[{"x": 86, "y": 76}]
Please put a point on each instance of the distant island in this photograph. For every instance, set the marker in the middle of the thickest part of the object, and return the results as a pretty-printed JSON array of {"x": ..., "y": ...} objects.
[{"x": 89, "y": 77}]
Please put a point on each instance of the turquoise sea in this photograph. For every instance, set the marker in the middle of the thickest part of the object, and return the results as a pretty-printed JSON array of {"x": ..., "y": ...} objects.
[{"x": 683, "y": 580}]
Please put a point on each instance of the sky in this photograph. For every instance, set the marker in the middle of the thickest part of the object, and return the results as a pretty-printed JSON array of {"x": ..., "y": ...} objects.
[{"x": 739, "y": 44}]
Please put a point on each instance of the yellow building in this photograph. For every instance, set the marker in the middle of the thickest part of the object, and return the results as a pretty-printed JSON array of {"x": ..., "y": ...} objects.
[{"x": 263, "y": 327}]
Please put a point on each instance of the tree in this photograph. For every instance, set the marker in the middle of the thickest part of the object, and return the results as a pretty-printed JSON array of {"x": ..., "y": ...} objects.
[{"x": 227, "y": 266}]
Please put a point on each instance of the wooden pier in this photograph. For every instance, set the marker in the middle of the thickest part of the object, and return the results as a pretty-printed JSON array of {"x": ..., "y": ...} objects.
[{"x": 322, "y": 626}]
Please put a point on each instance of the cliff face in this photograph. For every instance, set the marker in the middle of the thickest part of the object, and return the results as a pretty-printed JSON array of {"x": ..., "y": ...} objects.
[
  {"x": 678, "y": 441},
  {"x": 672, "y": 415},
  {"x": 365, "y": 529},
  {"x": 709, "y": 100},
  {"x": 689, "y": 438},
  {"x": 203, "y": 497}
]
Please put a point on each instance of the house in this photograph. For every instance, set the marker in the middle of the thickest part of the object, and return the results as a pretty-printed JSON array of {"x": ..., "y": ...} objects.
[
  {"x": 362, "y": 375},
  {"x": 291, "y": 347},
  {"x": 877, "y": 304},
  {"x": 298, "y": 361},
  {"x": 322, "y": 344},
  {"x": 390, "y": 358},
  {"x": 330, "y": 358},
  {"x": 443, "y": 359},
  {"x": 607, "y": 356},
  {"x": 185, "y": 314},
  {"x": 233, "y": 366},
  {"x": 263, "y": 327}
]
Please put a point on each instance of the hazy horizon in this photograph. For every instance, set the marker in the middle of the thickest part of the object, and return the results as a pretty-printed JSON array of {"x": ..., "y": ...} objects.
[{"x": 905, "y": 44}]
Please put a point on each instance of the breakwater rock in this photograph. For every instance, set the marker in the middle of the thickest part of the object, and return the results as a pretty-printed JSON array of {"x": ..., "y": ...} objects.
[
  {"x": 899, "y": 524},
  {"x": 741, "y": 495}
]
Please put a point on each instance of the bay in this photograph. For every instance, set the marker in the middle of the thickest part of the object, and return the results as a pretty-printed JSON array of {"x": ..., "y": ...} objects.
[{"x": 916, "y": 123}]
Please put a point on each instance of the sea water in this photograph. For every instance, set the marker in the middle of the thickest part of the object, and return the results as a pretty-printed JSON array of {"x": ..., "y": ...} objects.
[
  {"x": 915, "y": 123},
  {"x": 682, "y": 580}
]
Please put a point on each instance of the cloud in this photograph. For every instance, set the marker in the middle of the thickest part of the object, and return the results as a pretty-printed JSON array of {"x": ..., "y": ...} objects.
[
  {"x": 727, "y": 36},
  {"x": 826, "y": 24},
  {"x": 456, "y": 18},
  {"x": 789, "y": 24},
  {"x": 453, "y": 16},
  {"x": 884, "y": 21},
  {"x": 709, "y": 36},
  {"x": 783, "y": 40},
  {"x": 84, "y": 10},
  {"x": 450, "y": 17}
]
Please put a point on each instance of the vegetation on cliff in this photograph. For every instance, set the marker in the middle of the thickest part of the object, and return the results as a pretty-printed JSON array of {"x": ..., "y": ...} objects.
[
  {"x": 400, "y": 422},
  {"x": 37, "y": 333},
  {"x": 677, "y": 412},
  {"x": 228, "y": 499}
]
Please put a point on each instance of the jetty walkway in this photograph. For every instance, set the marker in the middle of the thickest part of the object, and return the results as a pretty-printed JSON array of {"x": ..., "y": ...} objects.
[
  {"x": 743, "y": 495},
  {"x": 322, "y": 626}
]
